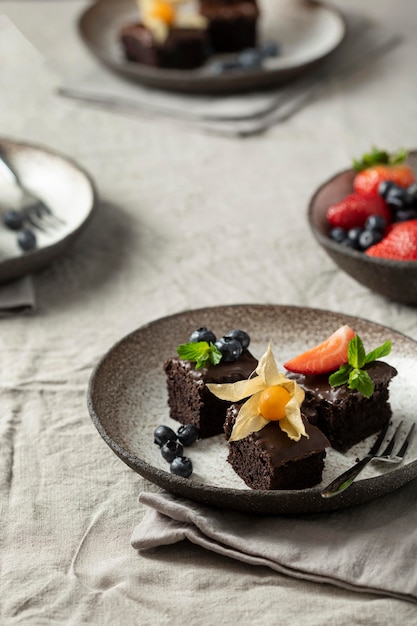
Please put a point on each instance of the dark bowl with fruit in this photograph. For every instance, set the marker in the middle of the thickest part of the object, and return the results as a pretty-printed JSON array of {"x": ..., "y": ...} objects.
[{"x": 367, "y": 224}]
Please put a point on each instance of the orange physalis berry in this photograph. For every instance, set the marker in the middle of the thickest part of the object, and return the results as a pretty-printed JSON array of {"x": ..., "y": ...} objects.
[
  {"x": 163, "y": 11},
  {"x": 272, "y": 403}
]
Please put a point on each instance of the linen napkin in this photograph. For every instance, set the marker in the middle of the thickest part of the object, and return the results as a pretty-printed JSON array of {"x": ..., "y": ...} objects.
[
  {"x": 368, "y": 548},
  {"x": 17, "y": 296},
  {"x": 241, "y": 114}
]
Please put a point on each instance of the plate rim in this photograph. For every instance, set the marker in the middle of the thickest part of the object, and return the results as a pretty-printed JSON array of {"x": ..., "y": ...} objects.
[
  {"x": 240, "y": 499},
  {"x": 194, "y": 81},
  {"x": 20, "y": 265}
]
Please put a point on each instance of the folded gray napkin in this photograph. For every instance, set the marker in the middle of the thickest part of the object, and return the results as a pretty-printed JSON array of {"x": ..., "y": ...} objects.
[
  {"x": 241, "y": 114},
  {"x": 370, "y": 548},
  {"x": 17, "y": 296}
]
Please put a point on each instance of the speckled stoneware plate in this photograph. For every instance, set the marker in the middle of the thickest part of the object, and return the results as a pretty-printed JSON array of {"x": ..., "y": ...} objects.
[
  {"x": 127, "y": 399},
  {"x": 395, "y": 280},
  {"x": 307, "y": 33},
  {"x": 63, "y": 186}
]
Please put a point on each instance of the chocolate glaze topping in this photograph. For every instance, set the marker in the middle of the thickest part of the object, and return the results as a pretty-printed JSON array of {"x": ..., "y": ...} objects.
[
  {"x": 224, "y": 372},
  {"x": 380, "y": 372},
  {"x": 277, "y": 443},
  {"x": 281, "y": 448}
]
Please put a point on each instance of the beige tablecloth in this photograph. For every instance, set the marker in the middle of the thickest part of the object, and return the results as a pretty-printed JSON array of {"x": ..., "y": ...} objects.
[{"x": 185, "y": 220}]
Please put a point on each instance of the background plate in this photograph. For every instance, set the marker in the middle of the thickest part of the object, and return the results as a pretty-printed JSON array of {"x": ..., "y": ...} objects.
[
  {"x": 127, "y": 399},
  {"x": 64, "y": 187},
  {"x": 306, "y": 31}
]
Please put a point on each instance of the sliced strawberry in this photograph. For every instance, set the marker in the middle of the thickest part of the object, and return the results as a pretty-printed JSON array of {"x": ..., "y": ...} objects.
[
  {"x": 400, "y": 243},
  {"x": 327, "y": 357},
  {"x": 355, "y": 209},
  {"x": 367, "y": 181}
]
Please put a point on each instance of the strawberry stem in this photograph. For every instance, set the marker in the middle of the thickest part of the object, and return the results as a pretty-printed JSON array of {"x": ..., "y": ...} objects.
[{"x": 379, "y": 157}]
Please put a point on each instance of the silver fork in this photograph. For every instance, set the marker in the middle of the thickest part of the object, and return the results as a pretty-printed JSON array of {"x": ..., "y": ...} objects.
[
  {"x": 40, "y": 216},
  {"x": 32, "y": 210},
  {"x": 344, "y": 481}
]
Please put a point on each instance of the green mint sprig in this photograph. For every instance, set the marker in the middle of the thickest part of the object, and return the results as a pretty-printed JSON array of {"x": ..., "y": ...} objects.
[
  {"x": 352, "y": 373},
  {"x": 379, "y": 157},
  {"x": 200, "y": 352}
]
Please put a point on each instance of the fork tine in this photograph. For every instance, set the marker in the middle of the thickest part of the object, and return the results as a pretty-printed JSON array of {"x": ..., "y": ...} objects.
[
  {"x": 401, "y": 452},
  {"x": 36, "y": 223},
  {"x": 388, "y": 450},
  {"x": 345, "y": 479},
  {"x": 40, "y": 216}
]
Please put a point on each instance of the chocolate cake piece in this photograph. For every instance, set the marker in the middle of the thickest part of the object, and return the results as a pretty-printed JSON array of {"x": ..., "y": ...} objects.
[
  {"x": 344, "y": 415},
  {"x": 190, "y": 401},
  {"x": 184, "y": 48},
  {"x": 232, "y": 24},
  {"x": 269, "y": 459}
]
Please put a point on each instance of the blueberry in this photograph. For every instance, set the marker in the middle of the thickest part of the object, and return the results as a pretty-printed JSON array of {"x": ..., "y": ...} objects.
[
  {"x": 26, "y": 239},
  {"x": 412, "y": 194},
  {"x": 397, "y": 198},
  {"x": 162, "y": 434},
  {"x": 369, "y": 238},
  {"x": 385, "y": 187},
  {"x": 202, "y": 334},
  {"x": 348, "y": 243},
  {"x": 242, "y": 337},
  {"x": 230, "y": 348},
  {"x": 403, "y": 215},
  {"x": 338, "y": 234},
  {"x": 353, "y": 235},
  {"x": 188, "y": 434},
  {"x": 375, "y": 222},
  {"x": 269, "y": 49},
  {"x": 171, "y": 449},
  {"x": 412, "y": 189},
  {"x": 13, "y": 219},
  {"x": 222, "y": 67},
  {"x": 182, "y": 466},
  {"x": 250, "y": 59}
]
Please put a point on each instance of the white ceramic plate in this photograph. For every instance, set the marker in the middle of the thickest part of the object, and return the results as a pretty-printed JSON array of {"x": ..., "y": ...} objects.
[
  {"x": 306, "y": 31},
  {"x": 127, "y": 399},
  {"x": 63, "y": 186}
]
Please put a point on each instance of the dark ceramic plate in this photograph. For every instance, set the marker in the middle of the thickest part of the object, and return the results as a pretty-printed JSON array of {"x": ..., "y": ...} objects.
[
  {"x": 396, "y": 280},
  {"x": 127, "y": 399},
  {"x": 63, "y": 186},
  {"x": 306, "y": 31}
]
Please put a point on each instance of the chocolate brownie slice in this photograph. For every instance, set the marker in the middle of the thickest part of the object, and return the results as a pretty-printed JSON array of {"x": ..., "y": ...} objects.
[
  {"x": 344, "y": 415},
  {"x": 189, "y": 399},
  {"x": 184, "y": 48},
  {"x": 269, "y": 459},
  {"x": 232, "y": 24}
]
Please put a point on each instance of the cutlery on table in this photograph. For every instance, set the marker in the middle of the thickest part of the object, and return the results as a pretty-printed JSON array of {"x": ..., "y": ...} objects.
[
  {"x": 29, "y": 209},
  {"x": 344, "y": 481}
]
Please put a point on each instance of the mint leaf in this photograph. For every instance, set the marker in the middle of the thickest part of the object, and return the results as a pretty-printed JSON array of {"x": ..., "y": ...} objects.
[
  {"x": 379, "y": 352},
  {"x": 215, "y": 354},
  {"x": 356, "y": 352},
  {"x": 360, "y": 380},
  {"x": 353, "y": 373},
  {"x": 341, "y": 377},
  {"x": 201, "y": 353}
]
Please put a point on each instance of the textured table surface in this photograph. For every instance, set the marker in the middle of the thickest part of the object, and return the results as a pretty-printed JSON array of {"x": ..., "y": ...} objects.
[{"x": 185, "y": 220}]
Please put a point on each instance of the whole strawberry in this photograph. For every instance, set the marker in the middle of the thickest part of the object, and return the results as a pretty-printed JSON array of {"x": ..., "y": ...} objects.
[
  {"x": 379, "y": 166},
  {"x": 354, "y": 210},
  {"x": 400, "y": 243}
]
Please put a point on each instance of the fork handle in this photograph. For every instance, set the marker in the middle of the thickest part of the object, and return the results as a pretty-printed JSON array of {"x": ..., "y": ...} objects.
[{"x": 344, "y": 481}]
